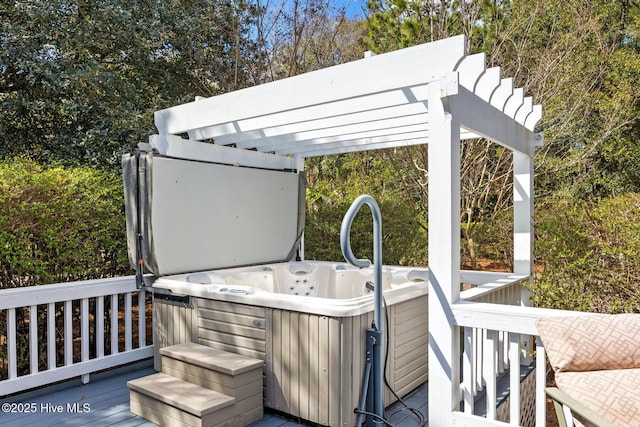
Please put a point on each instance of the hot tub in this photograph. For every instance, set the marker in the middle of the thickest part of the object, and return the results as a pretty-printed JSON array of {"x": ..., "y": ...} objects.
[
  {"x": 213, "y": 237},
  {"x": 307, "y": 320}
]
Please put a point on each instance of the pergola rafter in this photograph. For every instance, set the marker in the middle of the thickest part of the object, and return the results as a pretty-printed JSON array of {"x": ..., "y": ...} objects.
[{"x": 377, "y": 102}]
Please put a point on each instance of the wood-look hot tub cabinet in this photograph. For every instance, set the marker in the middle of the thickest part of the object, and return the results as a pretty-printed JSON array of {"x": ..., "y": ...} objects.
[{"x": 313, "y": 363}]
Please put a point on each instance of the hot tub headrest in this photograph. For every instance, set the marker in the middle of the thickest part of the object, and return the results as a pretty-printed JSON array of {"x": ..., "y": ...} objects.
[
  {"x": 301, "y": 268},
  {"x": 418, "y": 275},
  {"x": 206, "y": 278}
]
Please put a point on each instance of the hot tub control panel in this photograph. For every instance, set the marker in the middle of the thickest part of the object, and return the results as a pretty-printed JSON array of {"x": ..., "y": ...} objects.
[{"x": 237, "y": 290}]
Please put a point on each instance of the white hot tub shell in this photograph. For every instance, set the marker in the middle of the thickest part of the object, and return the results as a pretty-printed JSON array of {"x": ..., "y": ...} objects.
[
  {"x": 216, "y": 245},
  {"x": 313, "y": 345}
]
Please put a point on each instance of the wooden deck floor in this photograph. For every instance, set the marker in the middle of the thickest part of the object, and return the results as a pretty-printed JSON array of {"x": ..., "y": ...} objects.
[{"x": 105, "y": 402}]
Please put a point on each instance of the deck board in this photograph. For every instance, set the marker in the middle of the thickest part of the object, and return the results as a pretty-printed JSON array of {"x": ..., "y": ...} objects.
[
  {"x": 108, "y": 398},
  {"x": 106, "y": 394}
]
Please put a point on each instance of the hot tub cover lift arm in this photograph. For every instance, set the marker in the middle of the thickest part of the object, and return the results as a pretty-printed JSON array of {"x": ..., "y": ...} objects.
[{"x": 374, "y": 368}]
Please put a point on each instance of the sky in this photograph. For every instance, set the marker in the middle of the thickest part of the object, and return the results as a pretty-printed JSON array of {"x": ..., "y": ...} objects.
[{"x": 355, "y": 8}]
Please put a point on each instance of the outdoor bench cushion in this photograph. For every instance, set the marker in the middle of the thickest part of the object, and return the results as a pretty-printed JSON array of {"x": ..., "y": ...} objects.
[
  {"x": 611, "y": 393},
  {"x": 592, "y": 342},
  {"x": 596, "y": 359}
]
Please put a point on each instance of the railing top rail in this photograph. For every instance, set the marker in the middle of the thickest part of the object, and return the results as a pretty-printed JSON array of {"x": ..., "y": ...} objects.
[
  {"x": 498, "y": 281},
  {"x": 44, "y": 294},
  {"x": 476, "y": 277},
  {"x": 507, "y": 318}
]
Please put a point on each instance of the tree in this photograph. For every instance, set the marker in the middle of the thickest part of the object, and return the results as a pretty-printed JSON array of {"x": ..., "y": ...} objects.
[
  {"x": 579, "y": 59},
  {"x": 80, "y": 80},
  {"x": 395, "y": 24},
  {"x": 299, "y": 36},
  {"x": 485, "y": 167},
  {"x": 59, "y": 224},
  {"x": 588, "y": 255},
  {"x": 335, "y": 182}
]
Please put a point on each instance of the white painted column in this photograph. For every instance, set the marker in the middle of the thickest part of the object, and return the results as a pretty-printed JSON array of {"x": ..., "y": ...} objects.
[
  {"x": 523, "y": 234},
  {"x": 444, "y": 260},
  {"x": 522, "y": 214}
]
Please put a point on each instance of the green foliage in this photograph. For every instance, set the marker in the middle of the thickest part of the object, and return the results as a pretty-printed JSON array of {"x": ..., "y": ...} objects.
[
  {"x": 79, "y": 81},
  {"x": 59, "y": 224},
  {"x": 493, "y": 244},
  {"x": 581, "y": 61},
  {"x": 335, "y": 182},
  {"x": 588, "y": 254},
  {"x": 395, "y": 24},
  {"x": 403, "y": 241}
]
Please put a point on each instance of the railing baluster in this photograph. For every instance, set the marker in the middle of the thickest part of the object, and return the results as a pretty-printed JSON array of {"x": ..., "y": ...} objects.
[
  {"x": 127, "y": 322},
  {"x": 474, "y": 361},
  {"x": 501, "y": 318},
  {"x": 541, "y": 377},
  {"x": 51, "y": 336},
  {"x": 62, "y": 296},
  {"x": 84, "y": 335},
  {"x": 100, "y": 327},
  {"x": 33, "y": 339},
  {"x": 505, "y": 350},
  {"x": 514, "y": 379},
  {"x": 467, "y": 371},
  {"x": 11, "y": 343},
  {"x": 490, "y": 374},
  {"x": 481, "y": 335},
  {"x": 114, "y": 324},
  {"x": 142, "y": 321},
  {"x": 501, "y": 353},
  {"x": 68, "y": 333}
]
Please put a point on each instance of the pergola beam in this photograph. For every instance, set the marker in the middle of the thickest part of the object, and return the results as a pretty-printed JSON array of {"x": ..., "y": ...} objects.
[
  {"x": 490, "y": 123},
  {"x": 376, "y": 74}
]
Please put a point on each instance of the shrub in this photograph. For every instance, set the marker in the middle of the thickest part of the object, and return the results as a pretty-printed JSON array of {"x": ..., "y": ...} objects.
[
  {"x": 59, "y": 224},
  {"x": 493, "y": 244},
  {"x": 587, "y": 255},
  {"x": 404, "y": 241}
]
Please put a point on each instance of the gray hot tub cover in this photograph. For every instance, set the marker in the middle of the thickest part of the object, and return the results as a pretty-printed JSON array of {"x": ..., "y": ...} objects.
[{"x": 186, "y": 216}]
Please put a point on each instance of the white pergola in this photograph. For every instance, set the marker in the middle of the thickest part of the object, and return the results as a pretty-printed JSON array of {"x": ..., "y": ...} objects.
[{"x": 432, "y": 94}]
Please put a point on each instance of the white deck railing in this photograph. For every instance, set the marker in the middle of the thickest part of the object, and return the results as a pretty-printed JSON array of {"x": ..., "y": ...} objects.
[
  {"x": 493, "y": 322},
  {"x": 497, "y": 334},
  {"x": 50, "y": 317}
]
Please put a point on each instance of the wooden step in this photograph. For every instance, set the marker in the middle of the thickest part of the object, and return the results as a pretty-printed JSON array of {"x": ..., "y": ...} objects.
[
  {"x": 170, "y": 401},
  {"x": 229, "y": 373},
  {"x": 200, "y": 386},
  {"x": 212, "y": 359}
]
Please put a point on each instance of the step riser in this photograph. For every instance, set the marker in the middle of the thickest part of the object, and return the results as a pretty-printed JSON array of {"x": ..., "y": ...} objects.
[
  {"x": 191, "y": 398},
  {"x": 239, "y": 393},
  {"x": 242, "y": 413},
  {"x": 212, "y": 359},
  {"x": 239, "y": 386}
]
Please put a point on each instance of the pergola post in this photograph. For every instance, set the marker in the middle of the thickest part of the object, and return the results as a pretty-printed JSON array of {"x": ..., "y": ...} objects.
[
  {"x": 444, "y": 259},
  {"x": 523, "y": 234},
  {"x": 522, "y": 214}
]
